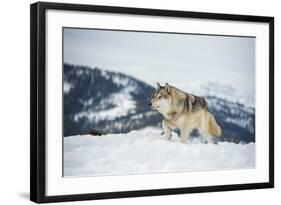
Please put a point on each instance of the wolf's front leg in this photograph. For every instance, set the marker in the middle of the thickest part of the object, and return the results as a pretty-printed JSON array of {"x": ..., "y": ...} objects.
[
  {"x": 167, "y": 130},
  {"x": 184, "y": 135},
  {"x": 209, "y": 139}
]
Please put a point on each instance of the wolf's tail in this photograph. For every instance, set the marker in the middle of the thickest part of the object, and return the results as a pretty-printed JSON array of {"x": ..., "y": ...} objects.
[{"x": 214, "y": 128}]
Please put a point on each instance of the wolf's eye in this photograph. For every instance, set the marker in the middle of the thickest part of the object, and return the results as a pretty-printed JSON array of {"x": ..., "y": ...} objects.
[{"x": 159, "y": 97}]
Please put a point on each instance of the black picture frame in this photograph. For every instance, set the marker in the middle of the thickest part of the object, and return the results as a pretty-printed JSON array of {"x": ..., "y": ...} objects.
[{"x": 38, "y": 101}]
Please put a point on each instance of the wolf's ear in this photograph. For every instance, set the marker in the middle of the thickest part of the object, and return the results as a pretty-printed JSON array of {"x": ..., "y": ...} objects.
[
  {"x": 167, "y": 87},
  {"x": 158, "y": 86}
]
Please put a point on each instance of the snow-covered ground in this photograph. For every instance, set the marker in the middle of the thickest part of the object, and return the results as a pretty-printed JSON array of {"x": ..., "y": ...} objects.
[{"x": 146, "y": 151}]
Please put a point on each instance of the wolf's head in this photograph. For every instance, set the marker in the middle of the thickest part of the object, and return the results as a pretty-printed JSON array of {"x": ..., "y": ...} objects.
[{"x": 161, "y": 99}]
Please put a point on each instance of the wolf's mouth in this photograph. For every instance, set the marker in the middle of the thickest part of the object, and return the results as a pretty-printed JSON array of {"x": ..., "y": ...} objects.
[{"x": 155, "y": 108}]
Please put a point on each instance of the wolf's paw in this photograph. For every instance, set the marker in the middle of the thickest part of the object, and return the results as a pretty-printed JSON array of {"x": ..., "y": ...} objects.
[
  {"x": 183, "y": 141},
  {"x": 168, "y": 137},
  {"x": 210, "y": 140}
]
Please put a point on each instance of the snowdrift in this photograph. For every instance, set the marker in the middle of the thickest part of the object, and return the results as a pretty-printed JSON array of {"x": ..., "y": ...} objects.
[{"x": 146, "y": 151}]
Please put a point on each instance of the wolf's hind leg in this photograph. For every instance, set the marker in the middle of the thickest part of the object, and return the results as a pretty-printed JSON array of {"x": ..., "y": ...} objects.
[
  {"x": 204, "y": 130},
  {"x": 207, "y": 136},
  {"x": 167, "y": 128},
  {"x": 209, "y": 139}
]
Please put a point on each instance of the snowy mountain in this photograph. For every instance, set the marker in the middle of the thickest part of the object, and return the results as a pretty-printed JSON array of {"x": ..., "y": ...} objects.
[
  {"x": 106, "y": 101},
  {"x": 146, "y": 151},
  {"x": 110, "y": 102}
]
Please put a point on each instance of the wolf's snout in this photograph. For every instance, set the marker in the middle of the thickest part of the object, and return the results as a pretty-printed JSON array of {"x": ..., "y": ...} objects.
[{"x": 149, "y": 104}]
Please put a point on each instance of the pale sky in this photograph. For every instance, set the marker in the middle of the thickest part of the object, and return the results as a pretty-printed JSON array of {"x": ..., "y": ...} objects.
[{"x": 173, "y": 58}]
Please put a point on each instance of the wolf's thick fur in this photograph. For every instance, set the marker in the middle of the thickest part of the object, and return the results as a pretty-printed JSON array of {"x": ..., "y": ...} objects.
[
  {"x": 185, "y": 112},
  {"x": 214, "y": 128}
]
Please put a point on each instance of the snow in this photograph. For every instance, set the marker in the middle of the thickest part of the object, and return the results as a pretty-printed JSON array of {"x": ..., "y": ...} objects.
[
  {"x": 123, "y": 102},
  {"x": 242, "y": 123},
  {"x": 146, "y": 151},
  {"x": 105, "y": 74},
  {"x": 141, "y": 115},
  {"x": 67, "y": 87}
]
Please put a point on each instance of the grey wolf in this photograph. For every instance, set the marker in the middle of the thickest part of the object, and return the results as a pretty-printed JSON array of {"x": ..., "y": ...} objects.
[{"x": 183, "y": 111}]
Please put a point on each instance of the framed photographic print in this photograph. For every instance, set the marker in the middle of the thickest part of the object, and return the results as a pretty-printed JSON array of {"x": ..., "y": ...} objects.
[{"x": 129, "y": 102}]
